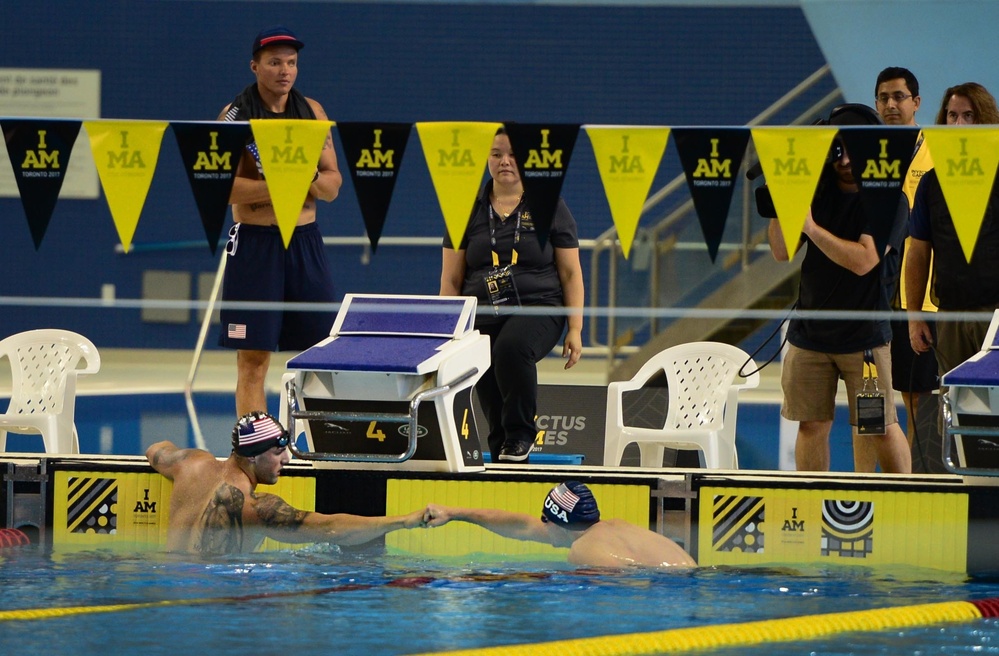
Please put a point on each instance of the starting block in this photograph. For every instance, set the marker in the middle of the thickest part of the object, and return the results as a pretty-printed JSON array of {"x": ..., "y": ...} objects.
[
  {"x": 971, "y": 410},
  {"x": 391, "y": 386}
]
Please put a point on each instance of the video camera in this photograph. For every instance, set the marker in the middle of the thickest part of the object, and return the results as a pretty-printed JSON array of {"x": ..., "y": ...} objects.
[{"x": 847, "y": 114}]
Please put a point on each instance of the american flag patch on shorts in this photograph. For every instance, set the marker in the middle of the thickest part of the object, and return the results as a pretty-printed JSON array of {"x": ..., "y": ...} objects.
[{"x": 237, "y": 331}]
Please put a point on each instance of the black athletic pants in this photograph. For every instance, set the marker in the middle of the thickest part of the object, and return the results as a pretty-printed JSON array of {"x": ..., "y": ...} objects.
[{"x": 508, "y": 391}]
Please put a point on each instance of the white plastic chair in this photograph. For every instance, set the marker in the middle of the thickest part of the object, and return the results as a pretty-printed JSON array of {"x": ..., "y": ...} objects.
[
  {"x": 703, "y": 380},
  {"x": 43, "y": 385}
]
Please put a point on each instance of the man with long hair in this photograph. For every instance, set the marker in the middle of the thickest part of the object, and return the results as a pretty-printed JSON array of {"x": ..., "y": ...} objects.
[{"x": 958, "y": 285}]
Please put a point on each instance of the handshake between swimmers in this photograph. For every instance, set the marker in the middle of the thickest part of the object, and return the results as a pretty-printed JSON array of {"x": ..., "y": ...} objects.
[{"x": 231, "y": 516}]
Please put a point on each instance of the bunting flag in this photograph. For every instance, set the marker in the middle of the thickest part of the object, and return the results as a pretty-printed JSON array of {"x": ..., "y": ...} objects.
[
  {"x": 711, "y": 158},
  {"x": 879, "y": 159},
  {"x": 39, "y": 151},
  {"x": 211, "y": 154},
  {"x": 125, "y": 153},
  {"x": 374, "y": 154},
  {"x": 965, "y": 160},
  {"x": 792, "y": 160},
  {"x": 627, "y": 159},
  {"x": 542, "y": 152},
  {"x": 289, "y": 151},
  {"x": 456, "y": 154}
]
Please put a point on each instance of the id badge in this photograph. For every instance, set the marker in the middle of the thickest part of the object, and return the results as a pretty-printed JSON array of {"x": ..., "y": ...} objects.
[
  {"x": 501, "y": 287},
  {"x": 870, "y": 413},
  {"x": 870, "y": 401}
]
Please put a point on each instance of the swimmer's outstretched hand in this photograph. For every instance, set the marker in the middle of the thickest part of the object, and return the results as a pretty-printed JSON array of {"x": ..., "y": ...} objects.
[
  {"x": 415, "y": 519},
  {"x": 436, "y": 516}
]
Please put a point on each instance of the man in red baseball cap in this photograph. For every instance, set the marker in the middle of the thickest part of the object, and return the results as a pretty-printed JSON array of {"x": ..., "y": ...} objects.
[
  {"x": 276, "y": 36},
  {"x": 258, "y": 266}
]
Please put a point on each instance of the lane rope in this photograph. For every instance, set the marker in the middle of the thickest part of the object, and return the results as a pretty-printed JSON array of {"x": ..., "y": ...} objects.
[
  {"x": 13, "y": 537},
  {"x": 398, "y": 582},
  {"x": 808, "y": 627},
  {"x": 66, "y": 611}
]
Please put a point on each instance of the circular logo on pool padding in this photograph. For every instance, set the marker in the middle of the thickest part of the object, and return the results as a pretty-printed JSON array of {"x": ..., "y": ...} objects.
[{"x": 847, "y": 528}]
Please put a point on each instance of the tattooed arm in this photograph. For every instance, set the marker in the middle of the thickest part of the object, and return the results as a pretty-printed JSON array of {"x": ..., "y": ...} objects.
[
  {"x": 167, "y": 459},
  {"x": 221, "y": 527},
  {"x": 284, "y": 522}
]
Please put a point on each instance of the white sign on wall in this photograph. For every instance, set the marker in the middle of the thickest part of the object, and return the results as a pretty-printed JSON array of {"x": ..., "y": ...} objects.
[{"x": 53, "y": 93}]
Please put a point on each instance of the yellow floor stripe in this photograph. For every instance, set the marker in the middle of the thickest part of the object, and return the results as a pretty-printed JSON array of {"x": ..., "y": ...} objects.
[{"x": 743, "y": 634}]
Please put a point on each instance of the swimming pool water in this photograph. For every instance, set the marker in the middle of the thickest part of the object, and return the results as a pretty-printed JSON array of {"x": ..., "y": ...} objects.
[{"x": 321, "y": 600}]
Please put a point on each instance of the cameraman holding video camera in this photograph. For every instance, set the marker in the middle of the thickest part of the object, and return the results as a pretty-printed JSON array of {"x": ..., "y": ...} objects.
[{"x": 842, "y": 271}]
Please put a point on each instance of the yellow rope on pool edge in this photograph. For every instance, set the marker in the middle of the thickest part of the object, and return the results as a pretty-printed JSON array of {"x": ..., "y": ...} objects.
[
  {"x": 748, "y": 633},
  {"x": 66, "y": 611},
  {"x": 47, "y": 613},
  {"x": 807, "y": 627}
]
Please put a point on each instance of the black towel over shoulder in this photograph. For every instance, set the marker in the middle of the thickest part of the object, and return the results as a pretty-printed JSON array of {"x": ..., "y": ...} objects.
[{"x": 248, "y": 104}]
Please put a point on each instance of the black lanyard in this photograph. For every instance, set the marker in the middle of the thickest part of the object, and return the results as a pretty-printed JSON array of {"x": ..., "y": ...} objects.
[{"x": 492, "y": 238}]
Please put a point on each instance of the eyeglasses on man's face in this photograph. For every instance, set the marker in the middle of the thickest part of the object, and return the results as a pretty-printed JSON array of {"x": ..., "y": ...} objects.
[{"x": 898, "y": 97}]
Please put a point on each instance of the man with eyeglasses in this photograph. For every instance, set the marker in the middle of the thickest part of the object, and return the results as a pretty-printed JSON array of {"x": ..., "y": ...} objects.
[
  {"x": 896, "y": 94},
  {"x": 215, "y": 508}
]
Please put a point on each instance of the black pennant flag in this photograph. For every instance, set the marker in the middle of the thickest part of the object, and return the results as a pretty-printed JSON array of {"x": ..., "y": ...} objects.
[
  {"x": 211, "y": 152},
  {"x": 711, "y": 158},
  {"x": 542, "y": 151},
  {"x": 374, "y": 154},
  {"x": 39, "y": 152},
  {"x": 879, "y": 159}
]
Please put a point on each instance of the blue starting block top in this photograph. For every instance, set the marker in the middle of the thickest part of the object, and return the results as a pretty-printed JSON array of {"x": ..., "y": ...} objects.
[
  {"x": 394, "y": 334},
  {"x": 976, "y": 372},
  {"x": 981, "y": 369},
  {"x": 394, "y": 315},
  {"x": 369, "y": 353}
]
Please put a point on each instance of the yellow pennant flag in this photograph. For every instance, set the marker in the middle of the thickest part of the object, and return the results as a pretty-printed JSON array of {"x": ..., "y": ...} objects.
[
  {"x": 792, "y": 161},
  {"x": 125, "y": 153},
  {"x": 456, "y": 154},
  {"x": 965, "y": 160},
  {"x": 289, "y": 151},
  {"x": 627, "y": 158}
]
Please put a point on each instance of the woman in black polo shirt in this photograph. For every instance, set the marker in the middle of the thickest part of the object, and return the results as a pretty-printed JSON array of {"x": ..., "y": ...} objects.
[{"x": 501, "y": 262}]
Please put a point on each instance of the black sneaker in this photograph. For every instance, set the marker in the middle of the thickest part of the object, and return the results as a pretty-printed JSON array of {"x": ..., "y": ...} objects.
[{"x": 516, "y": 451}]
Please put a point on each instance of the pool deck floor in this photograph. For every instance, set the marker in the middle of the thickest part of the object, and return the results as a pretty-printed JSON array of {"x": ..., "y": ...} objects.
[{"x": 163, "y": 371}]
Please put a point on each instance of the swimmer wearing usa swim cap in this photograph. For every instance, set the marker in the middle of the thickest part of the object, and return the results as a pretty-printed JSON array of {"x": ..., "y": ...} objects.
[
  {"x": 571, "y": 504},
  {"x": 570, "y": 518}
]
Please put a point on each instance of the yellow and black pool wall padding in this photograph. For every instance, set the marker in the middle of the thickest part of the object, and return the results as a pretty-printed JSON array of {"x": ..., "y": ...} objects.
[
  {"x": 739, "y": 518},
  {"x": 869, "y": 521}
]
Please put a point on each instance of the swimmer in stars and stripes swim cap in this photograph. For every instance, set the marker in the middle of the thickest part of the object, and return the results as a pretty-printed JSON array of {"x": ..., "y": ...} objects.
[
  {"x": 571, "y": 505},
  {"x": 257, "y": 432}
]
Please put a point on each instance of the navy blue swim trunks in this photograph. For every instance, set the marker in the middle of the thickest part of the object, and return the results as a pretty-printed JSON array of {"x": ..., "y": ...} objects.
[{"x": 260, "y": 269}]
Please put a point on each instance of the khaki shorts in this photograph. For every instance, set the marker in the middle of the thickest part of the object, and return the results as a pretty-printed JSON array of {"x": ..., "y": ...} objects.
[{"x": 810, "y": 379}]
